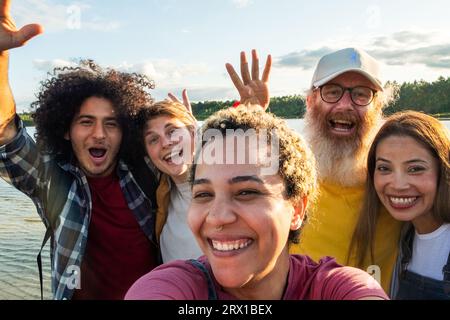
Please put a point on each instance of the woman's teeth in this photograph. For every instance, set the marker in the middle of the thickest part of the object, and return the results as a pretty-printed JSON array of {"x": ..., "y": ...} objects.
[
  {"x": 230, "y": 245},
  {"x": 402, "y": 200}
]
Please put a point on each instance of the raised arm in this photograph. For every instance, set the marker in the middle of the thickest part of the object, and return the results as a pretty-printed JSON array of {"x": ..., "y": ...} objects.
[
  {"x": 10, "y": 38},
  {"x": 251, "y": 88}
]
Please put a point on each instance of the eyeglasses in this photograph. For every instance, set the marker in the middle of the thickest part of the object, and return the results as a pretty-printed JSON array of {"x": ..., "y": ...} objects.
[{"x": 360, "y": 95}]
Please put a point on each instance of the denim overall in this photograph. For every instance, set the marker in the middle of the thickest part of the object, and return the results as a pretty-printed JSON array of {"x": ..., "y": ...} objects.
[{"x": 413, "y": 286}]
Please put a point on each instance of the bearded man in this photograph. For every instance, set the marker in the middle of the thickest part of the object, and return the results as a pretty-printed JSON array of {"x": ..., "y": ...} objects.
[{"x": 344, "y": 109}]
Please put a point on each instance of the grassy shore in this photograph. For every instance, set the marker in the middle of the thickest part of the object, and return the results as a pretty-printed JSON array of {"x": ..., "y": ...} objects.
[{"x": 442, "y": 116}]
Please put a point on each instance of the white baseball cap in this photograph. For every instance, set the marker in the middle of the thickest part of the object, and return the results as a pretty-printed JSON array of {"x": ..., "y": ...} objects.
[{"x": 350, "y": 59}]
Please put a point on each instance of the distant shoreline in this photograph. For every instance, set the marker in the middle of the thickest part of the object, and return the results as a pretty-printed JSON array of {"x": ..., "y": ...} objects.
[
  {"x": 28, "y": 121},
  {"x": 445, "y": 118},
  {"x": 440, "y": 119}
]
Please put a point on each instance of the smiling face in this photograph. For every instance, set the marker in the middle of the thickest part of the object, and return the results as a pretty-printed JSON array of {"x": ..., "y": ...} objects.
[
  {"x": 170, "y": 145},
  {"x": 340, "y": 133},
  {"x": 405, "y": 179},
  {"x": 241, "y": 221},
  {"x": 342, "y": 120},
  {"x": 95, "y": 135}
]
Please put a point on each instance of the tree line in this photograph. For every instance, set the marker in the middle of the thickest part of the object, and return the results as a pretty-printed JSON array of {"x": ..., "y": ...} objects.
[
  {"x": 289, "y": 107},
  {"x": 429, "y": 97}
]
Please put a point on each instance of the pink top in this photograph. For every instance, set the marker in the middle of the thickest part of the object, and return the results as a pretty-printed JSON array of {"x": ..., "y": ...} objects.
[{"x": 308, "y": 280}]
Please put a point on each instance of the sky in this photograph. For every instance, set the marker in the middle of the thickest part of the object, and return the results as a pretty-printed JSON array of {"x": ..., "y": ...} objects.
[{"x": 186, "y": 43}]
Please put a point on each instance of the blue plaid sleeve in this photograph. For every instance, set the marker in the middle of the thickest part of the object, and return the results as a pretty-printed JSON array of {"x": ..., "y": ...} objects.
[{"x": 21, "y": 165}]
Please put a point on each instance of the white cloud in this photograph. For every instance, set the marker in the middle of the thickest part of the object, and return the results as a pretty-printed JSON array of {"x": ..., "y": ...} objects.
[
  {"x": 168, "y": 75},
  {"x": 242, "y": 3},
  {"x": 57, "y": 17},
  {"x": 304, "y": 59},
  {"x": 51, "y": 16},
  {"x": 407, "y": 47},
  {"x": 49, "y": 65},
  {"x": 165, "y": 72},
  {"x": 198, "y": 93}
]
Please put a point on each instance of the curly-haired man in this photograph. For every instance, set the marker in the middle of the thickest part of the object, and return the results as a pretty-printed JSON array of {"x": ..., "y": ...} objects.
[{"x": 100, "y": 221}]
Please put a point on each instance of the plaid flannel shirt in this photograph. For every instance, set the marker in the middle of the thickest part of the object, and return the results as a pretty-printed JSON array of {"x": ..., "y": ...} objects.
[{"x": 25, "y": 168}]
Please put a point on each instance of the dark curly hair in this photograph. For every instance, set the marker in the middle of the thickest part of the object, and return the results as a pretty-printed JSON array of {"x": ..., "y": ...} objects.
[
  {"x": 297, "y": 165},
  {"x": 63, "y": 93}
]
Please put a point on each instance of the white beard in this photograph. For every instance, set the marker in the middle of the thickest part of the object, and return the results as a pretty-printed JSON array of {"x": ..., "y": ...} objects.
[{"x": 339, "y": 162}]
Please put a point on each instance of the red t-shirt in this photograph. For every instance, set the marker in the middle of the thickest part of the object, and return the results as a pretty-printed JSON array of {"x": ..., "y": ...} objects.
[
  {"x": 117, "y": 251},
  {"x": 307, "y": 280}
]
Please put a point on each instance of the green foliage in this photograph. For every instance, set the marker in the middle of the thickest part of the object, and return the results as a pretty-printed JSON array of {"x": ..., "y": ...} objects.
[
  {"x": 287, "y": 107},
  {"x": 432, "y": 98},
  {"x": 27, "y": 120},
  {"x": 203, "y": 110}
]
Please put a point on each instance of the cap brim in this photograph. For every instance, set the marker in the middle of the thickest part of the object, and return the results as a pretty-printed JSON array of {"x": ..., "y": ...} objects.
[{"x": 374, "y": 81}]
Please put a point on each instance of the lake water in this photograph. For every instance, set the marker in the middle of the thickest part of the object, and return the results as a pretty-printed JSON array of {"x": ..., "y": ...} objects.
[{"x": 21, "y": 233}]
